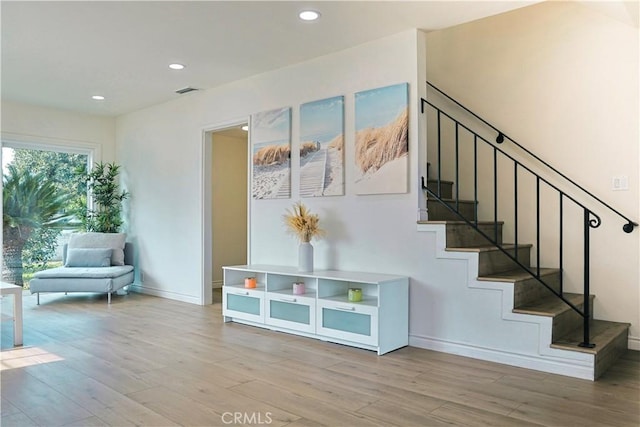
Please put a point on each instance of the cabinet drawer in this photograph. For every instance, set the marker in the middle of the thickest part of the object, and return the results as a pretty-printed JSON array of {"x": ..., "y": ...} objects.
[
  {"x": 292, "y": 312},
  {"x": 346, "y": 321},
  {"x": 243, "y": 304}
]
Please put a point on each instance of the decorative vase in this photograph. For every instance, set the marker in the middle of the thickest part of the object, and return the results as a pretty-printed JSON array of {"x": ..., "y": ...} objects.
[{"x": 305, "y": 257}]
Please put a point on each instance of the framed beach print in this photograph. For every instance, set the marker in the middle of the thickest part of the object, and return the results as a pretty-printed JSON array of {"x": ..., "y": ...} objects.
[
  {"x": 382, "y": 140},
  {"x": 271, "y": 149},
  {"x": 322, "y": 148}
]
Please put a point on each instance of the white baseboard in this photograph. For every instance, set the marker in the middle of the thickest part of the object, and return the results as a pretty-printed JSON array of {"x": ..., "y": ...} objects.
[
  {"x": 216, "y": 284},
  {"x": 634, "y": 343},
  {"x": 141, "y": 289},
  {"x": 571, "y": 368}
]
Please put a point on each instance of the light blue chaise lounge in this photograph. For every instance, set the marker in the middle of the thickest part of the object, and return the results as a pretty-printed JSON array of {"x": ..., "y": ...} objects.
[{"x": 93, "y": 262}]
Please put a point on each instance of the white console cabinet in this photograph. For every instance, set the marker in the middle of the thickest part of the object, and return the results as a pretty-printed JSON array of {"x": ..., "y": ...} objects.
[{"x": 379, "y": 322}]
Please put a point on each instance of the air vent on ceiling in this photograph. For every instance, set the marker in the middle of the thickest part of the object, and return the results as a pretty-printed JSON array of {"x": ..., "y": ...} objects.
[{"x": 185, "y": 90}]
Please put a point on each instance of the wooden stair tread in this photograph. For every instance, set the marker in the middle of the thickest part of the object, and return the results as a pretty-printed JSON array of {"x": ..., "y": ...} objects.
[
  {"x": 602, "y": 333},
  {"x": 516, "y": 275},
  {"x": 551, "y": 306},
  {"x": 489, "y": 248}
]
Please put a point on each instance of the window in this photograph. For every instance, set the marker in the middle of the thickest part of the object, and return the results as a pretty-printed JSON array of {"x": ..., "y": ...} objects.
[{"x": 44, "y": 199}]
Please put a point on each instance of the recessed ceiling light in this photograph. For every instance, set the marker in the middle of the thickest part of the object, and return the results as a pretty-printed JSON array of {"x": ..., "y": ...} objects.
[
  {"x": 176, "y": 66},
  {"x": 245, "y": 128},
  {"x": 98, "y": 97},
  {"x": 309, "y": 15}
]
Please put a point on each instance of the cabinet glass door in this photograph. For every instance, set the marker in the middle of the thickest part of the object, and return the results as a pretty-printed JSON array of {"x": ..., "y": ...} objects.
[
  {"x": 354, "y": 323},
  {"x": 296, "y": 313},
  {"x": 243, "y": 304},
  {"x": 290, "y": 312}
]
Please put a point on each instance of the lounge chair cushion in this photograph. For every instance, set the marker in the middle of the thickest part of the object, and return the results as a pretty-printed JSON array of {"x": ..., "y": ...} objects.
[
  {"x": 113, "y": 241},
  {"x": 88, "y": 257},
  {"x": 84, "y": 272}
]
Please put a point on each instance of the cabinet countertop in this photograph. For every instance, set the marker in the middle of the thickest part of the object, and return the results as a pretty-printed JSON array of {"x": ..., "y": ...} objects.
[{"x": 353, "y": 276}]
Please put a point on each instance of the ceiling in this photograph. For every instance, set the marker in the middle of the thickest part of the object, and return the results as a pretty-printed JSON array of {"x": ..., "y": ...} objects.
[{"x": 59, "y": 54}]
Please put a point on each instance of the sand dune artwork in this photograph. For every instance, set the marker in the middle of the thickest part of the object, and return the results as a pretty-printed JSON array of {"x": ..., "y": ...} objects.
[
  {"x": 322, "y": 148},
  {"x": 271, "y": 145},
  {"x": 382, "y": 142}
]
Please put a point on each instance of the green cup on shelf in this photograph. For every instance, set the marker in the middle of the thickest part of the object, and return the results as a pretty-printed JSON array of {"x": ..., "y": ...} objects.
[{"x": 355, "y": 294}]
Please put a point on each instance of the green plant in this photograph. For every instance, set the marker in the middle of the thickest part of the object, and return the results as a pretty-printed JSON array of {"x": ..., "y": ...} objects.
[
  {"x": 29, "y": 202},
  {"x": 106, "y": 216},
  {"x": 41, "y": 246},
  {"x": 62, "y": 170}
]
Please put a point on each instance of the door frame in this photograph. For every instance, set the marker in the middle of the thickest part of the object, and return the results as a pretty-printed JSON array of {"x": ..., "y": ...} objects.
[{"x": 206, "y": 154}]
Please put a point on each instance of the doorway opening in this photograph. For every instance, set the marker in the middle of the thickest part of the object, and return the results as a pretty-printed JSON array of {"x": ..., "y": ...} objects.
[{"x": 225, "y": 204}]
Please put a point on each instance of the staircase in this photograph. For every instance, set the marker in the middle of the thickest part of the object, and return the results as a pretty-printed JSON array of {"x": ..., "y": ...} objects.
[
  {"x": 534, "y": 293},
  {"x": 530, "y": 297}
]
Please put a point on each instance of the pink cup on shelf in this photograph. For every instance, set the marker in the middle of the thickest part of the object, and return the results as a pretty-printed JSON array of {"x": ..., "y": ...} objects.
[{"x": 298, "y": 288}]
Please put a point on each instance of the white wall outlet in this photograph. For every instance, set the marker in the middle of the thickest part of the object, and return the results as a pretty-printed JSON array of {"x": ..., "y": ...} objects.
[{"x": 620, "y": 183}]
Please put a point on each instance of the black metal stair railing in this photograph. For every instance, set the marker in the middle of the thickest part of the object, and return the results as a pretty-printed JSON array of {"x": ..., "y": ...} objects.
[{"x": 589, "y": 218}]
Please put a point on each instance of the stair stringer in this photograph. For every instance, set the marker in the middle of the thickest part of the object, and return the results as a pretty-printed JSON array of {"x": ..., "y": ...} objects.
[{"x": 557, "y": 361}]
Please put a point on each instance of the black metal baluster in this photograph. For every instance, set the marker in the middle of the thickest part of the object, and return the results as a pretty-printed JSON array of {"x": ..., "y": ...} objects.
[
  {"x": 495, "y": 195},
  {"x": 586, "y": 310},
  {"x": 515, "y": 204},
  {"x": 457, "y": 183},
  {"x": 538, "y": 226},
  {"x": 439, "y": 158},
  {"x": 475, "y": 179},
  {"x": 561, "y": 241}
]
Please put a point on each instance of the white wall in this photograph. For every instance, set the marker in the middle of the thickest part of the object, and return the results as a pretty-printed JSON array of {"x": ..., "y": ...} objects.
[
  {"x": 562, "y": 79},
  {"x": 163, "y": 145},
  {"x": 46, "y": 126}
]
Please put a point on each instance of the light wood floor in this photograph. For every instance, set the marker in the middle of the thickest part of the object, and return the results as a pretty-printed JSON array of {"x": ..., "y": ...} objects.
[{"x": 155, "y": 362}]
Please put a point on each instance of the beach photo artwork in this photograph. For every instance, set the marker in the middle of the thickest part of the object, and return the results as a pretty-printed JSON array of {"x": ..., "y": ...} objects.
[
  {"x": 322, "y": 148},
  {"x": 271, "y": 145},
  {"x": 382, "y": 140}
]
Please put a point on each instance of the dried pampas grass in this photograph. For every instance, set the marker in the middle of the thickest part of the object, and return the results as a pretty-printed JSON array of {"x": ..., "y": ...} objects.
[
  {"x": 272, "y": 155},
  {"x": 377, "y": 146},
  {"x": 308, "y": 147},
  {"x": 302, "y": 223},
  {"x": 337, "y": 142}
]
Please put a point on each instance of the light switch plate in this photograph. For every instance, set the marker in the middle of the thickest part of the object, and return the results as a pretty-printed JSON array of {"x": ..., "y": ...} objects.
[{"x": 620, "y": 183}]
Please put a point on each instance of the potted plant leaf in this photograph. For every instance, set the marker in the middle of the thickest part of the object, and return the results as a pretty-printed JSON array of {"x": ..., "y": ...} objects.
[{"x": 106, "y": 214}]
